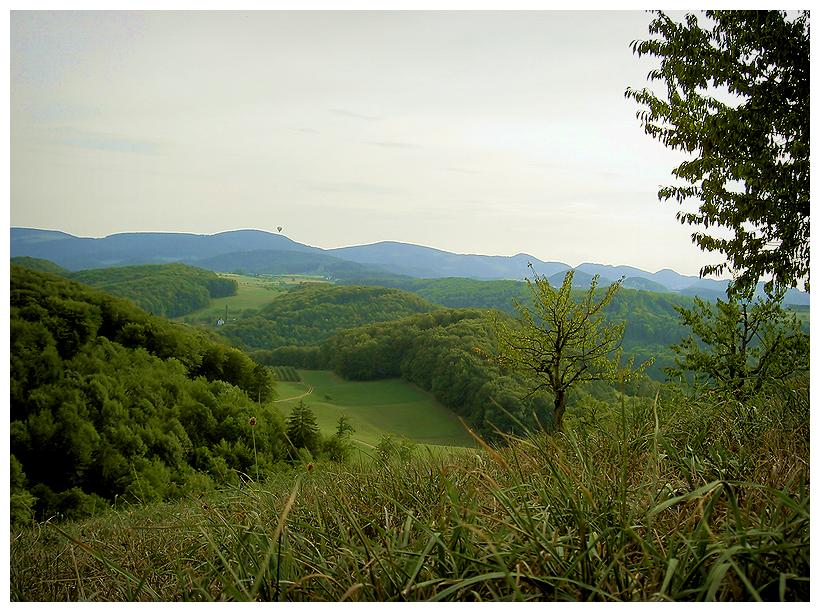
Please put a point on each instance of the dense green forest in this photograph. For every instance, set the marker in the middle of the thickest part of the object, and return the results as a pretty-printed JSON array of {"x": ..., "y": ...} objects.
[
  {"x": 455, "y": 292},
  {"x": 444, "y": 352},
  {"x": 110, "y": 402},
  {"x": 652, "y": 323},
  {"x": 43, "y": 265},
  {"x": 168, "y": 290},
  {"x": 288, "y": 262},
  {"x": 309, "y": 314}
]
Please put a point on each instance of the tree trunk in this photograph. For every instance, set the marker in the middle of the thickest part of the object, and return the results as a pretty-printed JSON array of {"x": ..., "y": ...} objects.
[{"x": 558, "y": 411}]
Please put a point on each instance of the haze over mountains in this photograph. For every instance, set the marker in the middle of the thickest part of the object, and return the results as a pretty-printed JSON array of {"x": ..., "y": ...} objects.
[{"x": 258, "y": 252}]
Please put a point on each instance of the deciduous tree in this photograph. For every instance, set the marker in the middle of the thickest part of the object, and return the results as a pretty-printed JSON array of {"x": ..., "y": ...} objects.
[
  {"x": 740, "y": 346},
  {"x": 262, "y": 384},
  {"x": 562, "y": 343},
  {"x": 736, "y": 98}
]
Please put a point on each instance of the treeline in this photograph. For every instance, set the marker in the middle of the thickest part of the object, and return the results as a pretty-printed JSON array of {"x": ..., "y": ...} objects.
[
  {"x": 310, "y": 314},
  {"x": 444, "y": 352},
  {"x": 651, "y": 316},
  {"x": 457, "y": 292},
  {"x": 168, "y": 290},
  {"x": 288, "y": 262},
  {"x": 652, "y": 322},
  {"x": 110, "y": 403},
  {"x": 42, "y": 265}
]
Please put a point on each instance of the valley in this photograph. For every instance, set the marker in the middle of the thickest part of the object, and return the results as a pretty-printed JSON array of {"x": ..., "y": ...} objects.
[
  {"x": 399, "y": 306},
  {"x": 253, "y": 293},
  {"x": 223, "y": 407},
  {"x": 374, "y": 409}
]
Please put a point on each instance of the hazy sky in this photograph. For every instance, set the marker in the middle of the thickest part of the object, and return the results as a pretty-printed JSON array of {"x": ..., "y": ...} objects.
[{"x": 481, "y": 132}]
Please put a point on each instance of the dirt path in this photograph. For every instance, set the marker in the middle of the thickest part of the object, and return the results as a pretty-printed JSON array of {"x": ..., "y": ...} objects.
[{"x": 295, "y": 397}]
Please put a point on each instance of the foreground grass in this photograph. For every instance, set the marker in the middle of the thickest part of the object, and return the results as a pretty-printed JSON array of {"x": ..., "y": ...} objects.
[{"x": 668, "y": 500}]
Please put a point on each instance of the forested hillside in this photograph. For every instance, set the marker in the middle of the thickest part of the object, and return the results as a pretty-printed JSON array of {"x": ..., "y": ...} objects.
[
  {"x": 43, "y": 265},
  {"x": 288, "y": 262},
  {"x": 445, "y": 352},
  {"x": 652, "y": 322},
  {"x": 309, "y": 314},
  {"x": 168, "y": 290},
  {"x": 499, "y": 294},
  {"x": 442, "y": 353},
  {"x": 109, "y": 402}
]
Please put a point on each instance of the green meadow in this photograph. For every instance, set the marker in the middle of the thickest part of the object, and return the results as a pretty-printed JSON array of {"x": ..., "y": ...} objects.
[
  {"x": 374, "y": 409},
  {"x": 253, "y": 293}
]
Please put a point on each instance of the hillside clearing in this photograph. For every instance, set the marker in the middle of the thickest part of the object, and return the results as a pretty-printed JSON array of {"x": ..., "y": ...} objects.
[
  {"x": 253, "y": 293},
  {"x": 375, "y": 408}
]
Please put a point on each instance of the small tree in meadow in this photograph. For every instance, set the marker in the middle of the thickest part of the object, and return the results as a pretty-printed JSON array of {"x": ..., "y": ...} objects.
[
  {"x": 301, "y": 429},
  {"x": 387, "y": 448},
  {"x": 406, "y": 449},
  {"x": 337, "y": 446},
  {"x": 343, "y": 428},
  {"x": 561, "y": 343}
]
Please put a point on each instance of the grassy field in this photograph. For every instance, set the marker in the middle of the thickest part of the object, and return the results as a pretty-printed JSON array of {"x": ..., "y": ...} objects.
[
  {"x": 374, "y": 409},
  {"x": 253, "y": 292}
]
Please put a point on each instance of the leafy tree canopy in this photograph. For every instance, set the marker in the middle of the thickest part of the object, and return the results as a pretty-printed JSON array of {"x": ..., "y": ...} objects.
[
  {"x": 110, "y": 403},
  {"x": 749, "y": 163},
  {"x": 562, "y": 343},
  {"x": 312, "y": 313},
  {"x": 740, "y": 346}
]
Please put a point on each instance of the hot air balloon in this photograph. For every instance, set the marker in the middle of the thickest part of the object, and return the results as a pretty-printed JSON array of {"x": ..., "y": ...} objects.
[{"x": 279, "y": 229}]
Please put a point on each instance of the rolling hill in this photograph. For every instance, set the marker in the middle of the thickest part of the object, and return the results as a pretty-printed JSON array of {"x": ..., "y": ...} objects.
[
  {"x": 426, "y": 262},
  {"x": 287, "y": 262},
  {"x": 168, "y": 290},
  {"x": 374, "y": 408},
  {"x": 244, "y": 249},
  {"x": 309, "y": 314},
  {"x": 143, "y": 247}
]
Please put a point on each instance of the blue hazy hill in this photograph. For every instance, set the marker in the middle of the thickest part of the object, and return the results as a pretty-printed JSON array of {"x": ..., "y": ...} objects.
[{"x": 257, "y": 251}]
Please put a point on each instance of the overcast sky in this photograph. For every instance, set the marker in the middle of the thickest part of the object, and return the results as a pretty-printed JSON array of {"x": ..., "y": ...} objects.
[{"x": 488, "y": 132}]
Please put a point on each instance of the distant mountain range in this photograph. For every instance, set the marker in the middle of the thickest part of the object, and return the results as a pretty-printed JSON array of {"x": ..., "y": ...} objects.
[
  {"x": 426, "y": 262},
  {"x": 258, "y": 252}
]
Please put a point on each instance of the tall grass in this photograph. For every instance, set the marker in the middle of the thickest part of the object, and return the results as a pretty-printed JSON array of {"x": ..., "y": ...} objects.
[{"x": 674, "y": 499}]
